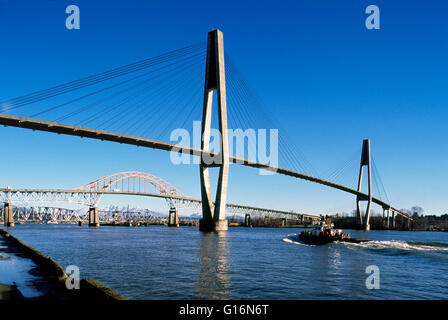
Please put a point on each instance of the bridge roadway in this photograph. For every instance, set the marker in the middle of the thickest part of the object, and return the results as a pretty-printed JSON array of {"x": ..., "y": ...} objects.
[{"x": 40, "y": 125}]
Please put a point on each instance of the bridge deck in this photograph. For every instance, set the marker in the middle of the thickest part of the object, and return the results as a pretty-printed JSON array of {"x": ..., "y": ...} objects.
[{"x": 54, "y": 127}]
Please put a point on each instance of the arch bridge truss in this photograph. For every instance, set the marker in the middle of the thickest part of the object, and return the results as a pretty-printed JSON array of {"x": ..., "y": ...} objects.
[
  {"x": 123, "y": 183},
  {"x": 30, "y": 202}
]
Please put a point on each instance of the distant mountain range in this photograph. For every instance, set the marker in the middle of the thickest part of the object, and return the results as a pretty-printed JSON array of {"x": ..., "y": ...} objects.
[{"x": 121, "y": 209}]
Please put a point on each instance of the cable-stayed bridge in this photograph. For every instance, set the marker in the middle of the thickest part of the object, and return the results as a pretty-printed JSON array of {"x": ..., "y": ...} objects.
[{"x": 142, "y": 103}]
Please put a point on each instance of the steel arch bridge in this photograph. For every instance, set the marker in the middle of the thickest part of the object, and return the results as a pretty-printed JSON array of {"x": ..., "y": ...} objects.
[
  {"x": 48, "y": 214},
  {"x": 28, "y": 202},
  {"x": 123, "y": 183},
  {"x": 133, "y": 182}
]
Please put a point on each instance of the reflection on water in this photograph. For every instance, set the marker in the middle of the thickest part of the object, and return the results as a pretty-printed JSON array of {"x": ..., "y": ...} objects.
[
  {"x": 327, "y": 259},
  {"x": 214, "y": 275},
  {"x": 334, "y": 260}
]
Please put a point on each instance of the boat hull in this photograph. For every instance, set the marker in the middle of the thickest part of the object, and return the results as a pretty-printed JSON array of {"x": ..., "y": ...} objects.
[
  {"x": 355, "y": 240},
  {"x": 313, "y": 240},
  {"x": 317, "y": 240}
]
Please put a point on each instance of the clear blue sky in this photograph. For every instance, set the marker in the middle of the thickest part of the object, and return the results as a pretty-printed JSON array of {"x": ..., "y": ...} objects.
[{"x": 328, "y": 79}]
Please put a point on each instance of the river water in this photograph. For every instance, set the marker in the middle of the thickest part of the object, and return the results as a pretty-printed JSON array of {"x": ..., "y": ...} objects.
[{"x": 159, "y": 262}]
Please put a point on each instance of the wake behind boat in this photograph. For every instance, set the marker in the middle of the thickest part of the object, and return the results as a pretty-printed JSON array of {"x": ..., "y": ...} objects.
[{"x": 324, "y": 233}]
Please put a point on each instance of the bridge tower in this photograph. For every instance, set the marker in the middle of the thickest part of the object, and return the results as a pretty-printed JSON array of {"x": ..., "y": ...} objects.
[
  {"x": 214, "y": 81},
  {"x": 365, "y": 161},
  {"x": 8, "y": 215}
]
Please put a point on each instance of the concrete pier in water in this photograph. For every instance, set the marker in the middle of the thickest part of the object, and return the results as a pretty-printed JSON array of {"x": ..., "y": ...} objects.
[
  {"x": 94, "y": 220},
  {"x": 173, "y": 218},
  {"x": 8, "y": 216}
]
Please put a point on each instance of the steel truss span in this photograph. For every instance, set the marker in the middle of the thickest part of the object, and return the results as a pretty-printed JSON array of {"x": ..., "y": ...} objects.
[
  {"x": 9, "y": 195},
  {"x": 42, "y": 214},
  {"x": 46, "y": 214}
]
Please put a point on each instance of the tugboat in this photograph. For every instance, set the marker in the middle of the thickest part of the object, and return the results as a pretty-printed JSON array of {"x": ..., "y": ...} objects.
[{"x": 323, "y": 233}]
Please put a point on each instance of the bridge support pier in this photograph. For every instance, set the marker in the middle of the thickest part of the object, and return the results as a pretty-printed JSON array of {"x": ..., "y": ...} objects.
[
  {"x": 173, "y": 218},
  {"x": 284, "y": 222},
  {"x": 267, "y": 220},
  {"x": 387, "y": 219},
  {"x": 94, "y": 220},
  {"x": 393, "y": 220},
  {"x": 8, "y": 215},
  {"x": 365, "y": 161},
  {"x": 208, "y": 225},
  {"x": 304, "y": 220},
  {"x": 247, "y": 220},
  {"x": 214, "y": 80},
  {"x": 367, "y": 227}
]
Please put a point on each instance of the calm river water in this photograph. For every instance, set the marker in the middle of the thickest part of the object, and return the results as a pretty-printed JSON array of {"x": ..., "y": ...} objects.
[{"x": 159, "y": 262}]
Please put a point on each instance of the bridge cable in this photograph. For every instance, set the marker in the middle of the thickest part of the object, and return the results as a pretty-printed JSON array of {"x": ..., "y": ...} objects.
[
  {"x": 240, "y": 102},
  {"x": 172, "y": 89},
  {"x": 380, "y": 180},
  {"x": 141, "y": 103},
  {"x": 255, "y": 101},
  {"x": 94, "y": 79},
  {"x": 132, "y": 97},
  {"x": 247, "y": 94},
  {"x": 349, "y": 166},
  {"x": 79, "y": 86},
  {"x": 102, "y": 89},
  {"x": 115, "y": 94}
]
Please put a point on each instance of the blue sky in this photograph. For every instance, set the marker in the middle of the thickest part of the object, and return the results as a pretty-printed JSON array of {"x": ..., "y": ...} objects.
[{"x": 327, "y": 78}]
